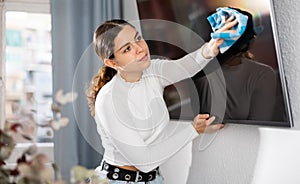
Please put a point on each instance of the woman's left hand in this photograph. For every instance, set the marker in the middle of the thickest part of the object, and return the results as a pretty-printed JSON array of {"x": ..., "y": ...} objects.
[{"x": 211, "y": 49}]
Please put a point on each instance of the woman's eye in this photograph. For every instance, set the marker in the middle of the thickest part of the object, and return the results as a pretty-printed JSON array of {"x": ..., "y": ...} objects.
[
  {"x": 127, "y": 49},
  {"x": 139, "y": 38}
]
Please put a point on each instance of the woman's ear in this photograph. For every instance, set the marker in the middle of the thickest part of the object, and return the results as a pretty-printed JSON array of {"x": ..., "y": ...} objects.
[{"x": 110, "y": 63}]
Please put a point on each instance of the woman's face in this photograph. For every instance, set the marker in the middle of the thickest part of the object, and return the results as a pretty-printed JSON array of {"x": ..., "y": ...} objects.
[{"x": 131, "y": 51}]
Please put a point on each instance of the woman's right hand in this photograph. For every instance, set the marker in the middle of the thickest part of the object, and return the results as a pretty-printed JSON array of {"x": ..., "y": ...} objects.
[
  {"x": 202, "y": 124},
  {"x": 211, "y": 49}
]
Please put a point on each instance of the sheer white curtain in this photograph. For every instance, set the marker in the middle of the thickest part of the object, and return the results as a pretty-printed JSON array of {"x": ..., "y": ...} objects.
[{"x": 74, "y": 63}]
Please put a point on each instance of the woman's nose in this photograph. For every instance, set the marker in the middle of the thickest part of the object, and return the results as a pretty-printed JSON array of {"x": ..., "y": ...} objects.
[{"x": 138, "y": 47}]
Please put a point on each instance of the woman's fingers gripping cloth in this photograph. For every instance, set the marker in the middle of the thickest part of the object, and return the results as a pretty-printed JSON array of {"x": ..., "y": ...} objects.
[{"x": 218, "y": 19}]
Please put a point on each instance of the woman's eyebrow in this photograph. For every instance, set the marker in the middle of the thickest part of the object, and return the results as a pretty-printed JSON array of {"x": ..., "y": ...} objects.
[{"x": 136, "y": 34}]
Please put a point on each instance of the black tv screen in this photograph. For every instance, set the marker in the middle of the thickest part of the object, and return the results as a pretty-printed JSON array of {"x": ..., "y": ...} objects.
[{"x": 250, "y": 90}]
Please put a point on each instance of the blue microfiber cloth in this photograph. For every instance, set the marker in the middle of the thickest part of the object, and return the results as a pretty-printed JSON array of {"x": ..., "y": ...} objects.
[{"x": 217, "y": 20}]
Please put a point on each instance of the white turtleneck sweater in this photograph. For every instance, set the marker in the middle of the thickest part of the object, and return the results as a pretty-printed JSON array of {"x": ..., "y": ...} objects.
[{"x": 132, "y": 118}]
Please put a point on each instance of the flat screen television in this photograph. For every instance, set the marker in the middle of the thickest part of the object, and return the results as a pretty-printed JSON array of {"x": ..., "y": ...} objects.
[{"x": 250, "y": 92}]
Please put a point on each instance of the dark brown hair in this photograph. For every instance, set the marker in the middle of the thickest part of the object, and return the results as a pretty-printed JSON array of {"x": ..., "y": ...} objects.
[{"x": 103, "y": 41}]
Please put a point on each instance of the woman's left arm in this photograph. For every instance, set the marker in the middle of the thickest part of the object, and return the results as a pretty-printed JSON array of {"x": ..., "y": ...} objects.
[{"x": 172, "y": 71}]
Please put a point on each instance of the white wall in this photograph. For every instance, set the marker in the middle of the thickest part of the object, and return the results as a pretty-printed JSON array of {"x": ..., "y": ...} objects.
[
  {"x": 253, "y": 154},
  {"x": 242, "y": 154}
]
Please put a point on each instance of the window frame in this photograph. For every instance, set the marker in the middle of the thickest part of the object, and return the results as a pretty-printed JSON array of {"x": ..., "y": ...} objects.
[
  {"x": 30, "y": 6},
  {"x": 2, "y": 64}
]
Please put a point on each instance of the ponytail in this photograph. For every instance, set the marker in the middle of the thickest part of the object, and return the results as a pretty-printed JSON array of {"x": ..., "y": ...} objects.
[{"x": 104, "y": 75}]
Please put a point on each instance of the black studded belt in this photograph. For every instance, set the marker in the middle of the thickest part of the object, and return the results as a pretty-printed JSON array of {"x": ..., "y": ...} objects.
[{"x": 116, "y": 173}]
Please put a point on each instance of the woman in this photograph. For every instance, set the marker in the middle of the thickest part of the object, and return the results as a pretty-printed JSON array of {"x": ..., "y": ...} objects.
[{"x": 131, "y": 115}]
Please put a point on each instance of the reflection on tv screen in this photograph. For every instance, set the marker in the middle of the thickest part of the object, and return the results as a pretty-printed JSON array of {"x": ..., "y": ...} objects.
[{"x": 242, "y": 85}]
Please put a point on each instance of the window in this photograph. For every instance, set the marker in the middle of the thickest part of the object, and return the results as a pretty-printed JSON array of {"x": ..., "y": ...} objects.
[{"x": 26, "y": 72}]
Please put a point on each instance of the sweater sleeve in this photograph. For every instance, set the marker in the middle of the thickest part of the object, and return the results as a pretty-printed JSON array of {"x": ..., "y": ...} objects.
[
  {"x": 172, "y": 71},
  {"x": 142, "y": 154}
]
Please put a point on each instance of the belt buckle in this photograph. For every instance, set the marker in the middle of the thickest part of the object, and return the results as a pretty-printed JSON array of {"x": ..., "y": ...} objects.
[{"x": 138, "y": 177}]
